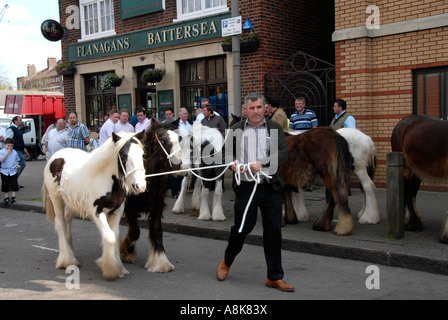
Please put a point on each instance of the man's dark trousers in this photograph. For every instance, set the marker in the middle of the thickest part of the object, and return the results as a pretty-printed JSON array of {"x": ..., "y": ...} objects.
[{"x": 270, "y": 203}]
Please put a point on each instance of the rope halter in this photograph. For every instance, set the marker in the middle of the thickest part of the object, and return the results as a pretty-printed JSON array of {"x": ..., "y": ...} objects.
[{"x": 168, "y": 155}]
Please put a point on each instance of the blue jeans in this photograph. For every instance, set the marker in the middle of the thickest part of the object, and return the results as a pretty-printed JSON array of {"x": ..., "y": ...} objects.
[{"x": 22, "y": 162}]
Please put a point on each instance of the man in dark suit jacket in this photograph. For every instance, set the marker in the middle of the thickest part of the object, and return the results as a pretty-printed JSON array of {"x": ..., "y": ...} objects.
[{"x": 262, "y": 144}]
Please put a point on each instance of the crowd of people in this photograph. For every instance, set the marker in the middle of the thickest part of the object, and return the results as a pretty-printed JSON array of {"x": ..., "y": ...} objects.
[{"x": 258, "y": 114}]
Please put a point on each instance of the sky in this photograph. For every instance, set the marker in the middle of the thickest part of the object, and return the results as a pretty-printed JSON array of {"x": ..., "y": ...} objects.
[{"x": 21, "y": 40}]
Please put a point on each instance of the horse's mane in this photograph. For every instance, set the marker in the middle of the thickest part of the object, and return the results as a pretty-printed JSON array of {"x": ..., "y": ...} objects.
[{"x": 109, "y": 150}]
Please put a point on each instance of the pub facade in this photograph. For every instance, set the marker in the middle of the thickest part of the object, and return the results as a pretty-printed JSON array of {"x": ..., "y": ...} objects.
[{"x": 183, "y": 39}]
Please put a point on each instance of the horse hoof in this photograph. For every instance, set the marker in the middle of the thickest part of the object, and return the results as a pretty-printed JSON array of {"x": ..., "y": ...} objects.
[
  {"x": 364, "y": 220},
  {"x": 159, "y": 263},
  {"x": 413, "y": 227},
  {"x": 128, "y": 252},
  {"x": 65, "y": 263},
  {"x": 205, "y": 218},
  {"x": 344, "y": 227},
  {"x": 291, "y": 221},
  {"x": 321, "y": 226}
]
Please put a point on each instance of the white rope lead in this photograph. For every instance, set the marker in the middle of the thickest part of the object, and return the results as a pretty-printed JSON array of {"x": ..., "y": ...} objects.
[
  {"x": 240, "y": 168},
  {"x": 255, "y": 178}
]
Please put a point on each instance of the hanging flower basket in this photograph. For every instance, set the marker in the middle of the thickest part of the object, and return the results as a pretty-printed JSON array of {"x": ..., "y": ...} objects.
[
  {"x": 110, "y": 80},
  {"x": 247, "y": 44},
  {"x": 66, "y": 72},
  {"x": 66, "y": 68},
  {"x": 151, "y": 76}
]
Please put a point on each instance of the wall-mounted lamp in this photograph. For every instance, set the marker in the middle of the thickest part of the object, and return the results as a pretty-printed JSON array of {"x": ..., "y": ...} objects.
[{"x": 142, "y": 58}]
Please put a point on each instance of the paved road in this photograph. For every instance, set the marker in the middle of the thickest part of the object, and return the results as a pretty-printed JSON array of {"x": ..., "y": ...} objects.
[{"x": 28, "y": 249}]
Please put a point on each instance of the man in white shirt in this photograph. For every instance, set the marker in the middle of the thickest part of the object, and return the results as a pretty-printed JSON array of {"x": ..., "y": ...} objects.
[
  {"x": 184, "y": 124},
  {"x": 143, "y": 122},
  {"x": 109, "y": 126},
  {"x": 205, "y": 102},
  {"x": 123, "y": 124},
  {"x": 56, "y": 139}
]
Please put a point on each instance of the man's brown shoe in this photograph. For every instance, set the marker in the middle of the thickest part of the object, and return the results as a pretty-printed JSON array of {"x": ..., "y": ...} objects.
[
  {"x": 280, "y": 285},
  {"x": 223, "y": 271}
]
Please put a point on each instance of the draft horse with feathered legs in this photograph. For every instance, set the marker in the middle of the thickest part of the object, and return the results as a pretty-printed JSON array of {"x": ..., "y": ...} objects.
[
  {"x": 320, "y": 152},
  {"x": 94, "y": 185},
  {"x": 162, "y": 154},
  {"x": 423, "y": 141}
]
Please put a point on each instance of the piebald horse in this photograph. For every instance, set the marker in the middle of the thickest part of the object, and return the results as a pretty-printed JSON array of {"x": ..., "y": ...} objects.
[
  {"x": 94, "y": 185},
  {"x": 203, "y": 147},
  {"x": 423, "y": 141},
  {"x": 162, "y": 154}
]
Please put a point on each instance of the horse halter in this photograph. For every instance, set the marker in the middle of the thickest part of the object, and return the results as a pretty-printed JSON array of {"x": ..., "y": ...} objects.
[
  {"x": 127, "y": 174},
  {"x": 168, "y": 155}
]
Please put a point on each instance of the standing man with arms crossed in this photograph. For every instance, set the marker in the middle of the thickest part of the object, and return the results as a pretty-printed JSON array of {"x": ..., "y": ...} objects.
[
  {"x": 56, "y": 139},
  {"x": 77, "y": 133},
  {"x": 261, "y": 153}
]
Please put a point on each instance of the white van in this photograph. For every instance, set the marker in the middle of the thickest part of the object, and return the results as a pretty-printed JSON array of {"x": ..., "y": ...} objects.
[{"x": 29, "y": 135}]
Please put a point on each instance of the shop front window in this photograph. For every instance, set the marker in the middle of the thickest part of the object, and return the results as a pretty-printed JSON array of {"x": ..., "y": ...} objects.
[
  {"x": 98, "y": 102},
  {"x": 205, "y": 78}
]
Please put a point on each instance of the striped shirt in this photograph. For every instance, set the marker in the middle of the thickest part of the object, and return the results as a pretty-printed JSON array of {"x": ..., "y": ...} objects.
[
  {"x": 303, "y": 122},
  {"x": 255, "y": 145},
  {"x": 76, "y": 135}
]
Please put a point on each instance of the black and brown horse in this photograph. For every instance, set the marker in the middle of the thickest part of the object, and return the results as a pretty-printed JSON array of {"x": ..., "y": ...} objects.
[
  {"x": 320, "y": 152},
  {"x": 152, "y": 201},
  {"x": 423, "y": 140}
]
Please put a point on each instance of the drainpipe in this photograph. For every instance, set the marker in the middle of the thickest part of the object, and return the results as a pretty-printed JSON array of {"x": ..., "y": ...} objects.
[{"x": 236, "y": 64}]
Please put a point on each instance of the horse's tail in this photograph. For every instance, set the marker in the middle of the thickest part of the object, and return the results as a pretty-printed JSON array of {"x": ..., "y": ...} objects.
[
  {"x": 48, "y": 204},
  {"x": 344, "y": 160},
  {"x": 371, "y": 166}
]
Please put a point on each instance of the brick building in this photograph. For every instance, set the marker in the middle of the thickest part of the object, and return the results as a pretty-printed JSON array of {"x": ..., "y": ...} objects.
[
  {"x": 44, "y": 80},
  {"x": 131, "y": 37},
  {"x": 399, "y": 69}
]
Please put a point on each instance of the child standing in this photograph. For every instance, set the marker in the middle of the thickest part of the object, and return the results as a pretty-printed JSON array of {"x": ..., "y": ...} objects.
[{"x": 9, "y": 167}]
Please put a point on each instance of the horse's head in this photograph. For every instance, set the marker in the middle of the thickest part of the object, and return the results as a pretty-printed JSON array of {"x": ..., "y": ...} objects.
[
  {"x": 130, "y": 161},
  {"x": 202, "y": 144},
  {"x": 161, "y": 139},
  {"x": 175, "y": 154}
]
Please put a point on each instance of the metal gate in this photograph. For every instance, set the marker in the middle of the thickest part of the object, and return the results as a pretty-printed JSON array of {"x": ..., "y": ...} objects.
[{"x": 306, "y": 76}]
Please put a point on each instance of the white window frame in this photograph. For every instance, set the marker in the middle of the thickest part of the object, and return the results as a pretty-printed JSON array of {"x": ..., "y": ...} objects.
[
  {"x": 99, "y": 34},
  {"x": 198, "y": 14}
]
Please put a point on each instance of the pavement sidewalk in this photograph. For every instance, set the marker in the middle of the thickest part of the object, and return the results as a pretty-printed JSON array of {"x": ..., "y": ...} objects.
[{"x": 417, "y": 250}]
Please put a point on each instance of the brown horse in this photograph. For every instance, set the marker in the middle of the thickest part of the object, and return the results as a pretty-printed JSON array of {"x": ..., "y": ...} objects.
[
  {"x": 320, "y": 152},
  {"x": 424, "y": 144}
]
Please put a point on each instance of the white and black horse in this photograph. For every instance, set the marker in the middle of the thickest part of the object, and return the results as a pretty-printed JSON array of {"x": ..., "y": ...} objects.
[
  {"x": 162, "y": 154},
  {"x": 203, "y": 147},
  {"x": 94, "y": 185}
]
